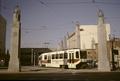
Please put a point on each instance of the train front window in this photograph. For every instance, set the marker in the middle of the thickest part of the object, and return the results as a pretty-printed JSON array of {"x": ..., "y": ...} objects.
[
  {"x": 83, "y": 54},
  {"x": 40, "y": 58},
  {"x": 77, "y": 54}
]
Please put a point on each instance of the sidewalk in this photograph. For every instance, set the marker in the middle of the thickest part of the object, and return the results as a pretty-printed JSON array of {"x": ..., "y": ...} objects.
[{"x": 23, "y": 69}]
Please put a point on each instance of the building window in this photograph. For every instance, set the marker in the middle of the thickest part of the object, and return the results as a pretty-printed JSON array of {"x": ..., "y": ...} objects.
[
  {"x": 88, "y": 52},
  {"x": 83, "y": 54}
]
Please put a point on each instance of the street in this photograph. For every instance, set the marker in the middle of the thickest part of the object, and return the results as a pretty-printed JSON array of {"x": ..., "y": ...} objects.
[{"x": 38, "y": 73}]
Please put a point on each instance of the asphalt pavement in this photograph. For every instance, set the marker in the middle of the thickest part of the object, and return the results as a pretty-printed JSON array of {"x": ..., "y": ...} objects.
[{"x": 38, "y": 73}]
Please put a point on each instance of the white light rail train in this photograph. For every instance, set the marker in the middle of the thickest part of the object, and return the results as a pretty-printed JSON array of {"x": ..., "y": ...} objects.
[{"x": 72, "y": 58}]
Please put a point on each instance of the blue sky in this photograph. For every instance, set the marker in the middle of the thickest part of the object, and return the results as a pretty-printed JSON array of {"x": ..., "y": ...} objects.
[{"x": 50, "y": 20}]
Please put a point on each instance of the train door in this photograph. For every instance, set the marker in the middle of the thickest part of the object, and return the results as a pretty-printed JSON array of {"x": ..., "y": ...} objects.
[
  {"x": 65, "y": 58},
  {"x": 49, "y": 58},
  {"x": 71, "y": 58}
]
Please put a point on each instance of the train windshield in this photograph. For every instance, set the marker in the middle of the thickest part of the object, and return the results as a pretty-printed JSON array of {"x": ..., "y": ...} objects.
[
  {"x": 77, "y": 54},
  {"x": 40, "y": 58}
]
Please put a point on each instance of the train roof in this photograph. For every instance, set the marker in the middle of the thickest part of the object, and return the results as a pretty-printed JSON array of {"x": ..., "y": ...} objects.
[{"x": 61, "y": 51}]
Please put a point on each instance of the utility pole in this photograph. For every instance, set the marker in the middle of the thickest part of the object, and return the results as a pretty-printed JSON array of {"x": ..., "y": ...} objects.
[
  {"x": 34, "y": 57},
  {"x": 32, "y": 52}
]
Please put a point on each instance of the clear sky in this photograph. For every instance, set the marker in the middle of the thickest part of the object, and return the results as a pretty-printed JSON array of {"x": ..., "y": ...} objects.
[{"x": 50, "y": 20}]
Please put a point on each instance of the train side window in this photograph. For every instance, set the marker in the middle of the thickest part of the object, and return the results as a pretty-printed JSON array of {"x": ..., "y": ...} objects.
[
  {"x": 45, "y": 57},
  {"x": 53, "y": 56},
  {"x": 56, "y": 56},
  {"x": 77, "y": 54},
  {"x": 61, "y": 56},
  {"x": 65, "y": 55}
]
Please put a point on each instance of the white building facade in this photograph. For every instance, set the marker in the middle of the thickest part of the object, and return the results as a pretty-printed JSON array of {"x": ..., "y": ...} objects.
[{"x": 88, "y": 37}]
